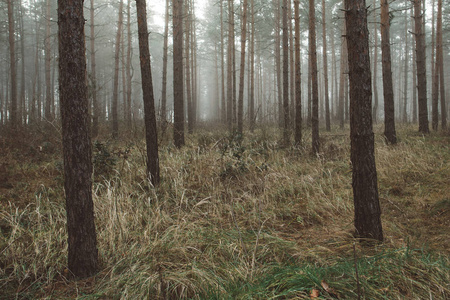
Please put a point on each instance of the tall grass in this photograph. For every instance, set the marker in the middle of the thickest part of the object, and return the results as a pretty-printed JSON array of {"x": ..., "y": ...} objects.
[{"x": 241, "y": 219}]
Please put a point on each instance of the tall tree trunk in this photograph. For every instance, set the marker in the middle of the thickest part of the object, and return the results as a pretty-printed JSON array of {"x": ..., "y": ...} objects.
[
  {"x": 14, "y": 115},
  {"x": 251, "y": 103},
  {"x": 375, "y": 68},
  {"x": 315, "y": 87},
  {"x": 434, "y": 75},
  {"x": 115, "y": 100},
  {"x": 421, "y": 68},
  {"x": 47, "y": 51},
  {"x": 440, "y": 58},
  {"x": 343, "y": 73},
  {"x": 325, "y": 68},
  {"x": 278, "y": 62},
  {"x": 23, "y": 108},
  {"x": 178, "y": 101},
  {"x": 128, "y": 68},
  {"x": 82, "y": 242},
  {"x": 298, "y": 90},
  {"x": 96, "y": 109},
  {"x": 190, "y": 112},
  {"x": 291, "y": 67},
  {"x": 364, "y": 176},
  {"x": 405, "y": 83},
  {"x": 222, "y": 68},
  {"x": 230, "y": 94},
  {"x": 151, "y": 135},
  {"x": 285, "y": 73},
  {"x": 388, "y": 91},
  {"x": 164, "y": 73},
  {"x": 240, "y": 121},
  {"x": 414, "y": 97},
  {"x": 233, "y": 56}
]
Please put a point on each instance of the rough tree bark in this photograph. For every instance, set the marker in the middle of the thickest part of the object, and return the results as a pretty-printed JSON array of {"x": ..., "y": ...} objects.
[
  {"x": 151, "y": 135},
  {"x": 421, "y": 68},
  {"x": 115, "y": 100},
  {"x": 364, "y": 176},
  {"x": 240, "y": 119},
  {"x": 298, "y": 91},
  {"x": 315, "y": 87},
  {"x": 388, "y": 91},
  {"x": 82, "y": 243},
  {"x": 178, "y": 101}
]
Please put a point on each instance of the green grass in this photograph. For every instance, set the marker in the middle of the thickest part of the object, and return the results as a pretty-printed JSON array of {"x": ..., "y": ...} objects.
[{"x": 233, "y": 220}]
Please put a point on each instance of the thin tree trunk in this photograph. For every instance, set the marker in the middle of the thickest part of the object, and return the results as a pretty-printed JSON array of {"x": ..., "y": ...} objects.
[
  {"x": 178, "y": 128},
  {"x": 240, "y": 121},
  {"x": 252, "y": 71},
  {"x": 388, "y": 91},
  {"x": 440, "y": 58},
  {"x": 151, "y": 135},
  {"x": 364, "y": 176},
  {"x": 298, "y": 91},
  {"x": 164, "y": 72},
  {"x": 405, "y": 83},
  {"x": 341, "y": 116},
  {"x": 190, "y": 112},
  {"x": 434, "y": 75},
  {"x": 230, "y": 68},
  {"x": 23, "y": 109},
  {"x": 315, "y": 87},
  {"x": 375, "y": 68},
  {"x": 278, "y": 62},
  {"x": 325, "y": 68},
  {"x": 414, "y": 66},
  {"x": 115, "y": 100},
  {"x": 47, "y": 53},
  {"x": 128, "y": 68},
  {"x": 285, "y": 73},
  {"x": 222, "y": 68},
  {"x": 421, "y": 68},
  {"x": 96, "y": 109}
]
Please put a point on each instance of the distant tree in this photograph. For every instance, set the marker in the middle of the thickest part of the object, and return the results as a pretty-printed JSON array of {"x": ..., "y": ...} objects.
[
  {"x": 115, "y": 100},
  {"x": 439, "y": 69},
  {"x": 178, "y": 101},
  {"x": 251, "y": 100},
  {"x": 163, "y": 110},
  {"x": 93, "y": 75},
  {"x": 325, "y": 67},
  {"x": 230, "y": 93},
  {"x": 285, "y": 72},
  {"x": 82, "y": 242},
  {"x": 421, "y": 68},
  {"x": 127, "y": 92},
  {"x": 187, "y": 59},
  {"x": 14, "y": 117},
  {"x": 298, "y": 91},
  {"x": 151, "y": 135},
  {"x": 48, "y": 56},
  {"x": 388, "y": 91},
  {"x": 364, "y": 176},
  {"x": 375, "y": 68},
  {"x": 240, "y": 120},
  {"x": 314, "y": 81},
  {"x": 222, "y": 68}
]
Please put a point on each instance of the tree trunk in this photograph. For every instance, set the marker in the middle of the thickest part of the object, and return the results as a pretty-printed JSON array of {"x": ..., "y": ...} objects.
[
  {"x": 315, "y": 87},
  {"x": 190, "y": 112},
  {"x": 14, "y": 116},
  {"x": 440, "y": 57},
  {"x": 298, "y": 91},
  {"x": 178, "y": 101},
  {"x": 405, "y": 83},
  {"x": 151, "y": 135},
  {"x": 82, "y": 242},
  {"x": 278, "y": 62},
  {"x": 115, "y": 100},
  {"x": 47, "y": 51},
  {"x": 388, "y": 91},
  {"x": 285, "y": 73},
  {"x": 414, "y": 66},
  {"x": 128, "y": 69},
  {"x": 364, "y": 176},
  {"x": 325, "y": 68},
  {"x": 341, "y": 116},
  {"x": 421, "y": 68},
  {"x": 375, "y": 68},
  {"x": 240, "y": 121},
  {"x": 222, "y": 68},
  {"x": 230, "y": 68},
  {"x": 23, "y": 109},
  {"x": 434, "y": 76},
  {"x": 251, "y": 100},
  {"x": 96, "y": 109},
  {"x": 164, "y": 72}
]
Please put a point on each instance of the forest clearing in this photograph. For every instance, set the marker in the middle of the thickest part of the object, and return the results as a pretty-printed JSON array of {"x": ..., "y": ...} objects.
[{"x": 231, "y": 219}]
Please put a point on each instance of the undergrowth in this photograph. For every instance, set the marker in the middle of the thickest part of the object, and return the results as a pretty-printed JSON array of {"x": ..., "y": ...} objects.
[{"x": 234, "y": 218}]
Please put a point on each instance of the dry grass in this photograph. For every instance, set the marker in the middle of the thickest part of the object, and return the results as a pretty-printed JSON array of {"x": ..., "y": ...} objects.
[{"x": 235, "y": 220}]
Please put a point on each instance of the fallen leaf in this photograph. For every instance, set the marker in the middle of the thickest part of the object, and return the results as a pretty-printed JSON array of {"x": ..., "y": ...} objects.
[
  {"x": 325, "y": 286},
  {"x": 314, "y": 294}
]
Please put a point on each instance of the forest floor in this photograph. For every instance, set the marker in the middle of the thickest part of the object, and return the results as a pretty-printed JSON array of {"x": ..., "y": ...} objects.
[{"x": 231, "y": 219}]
